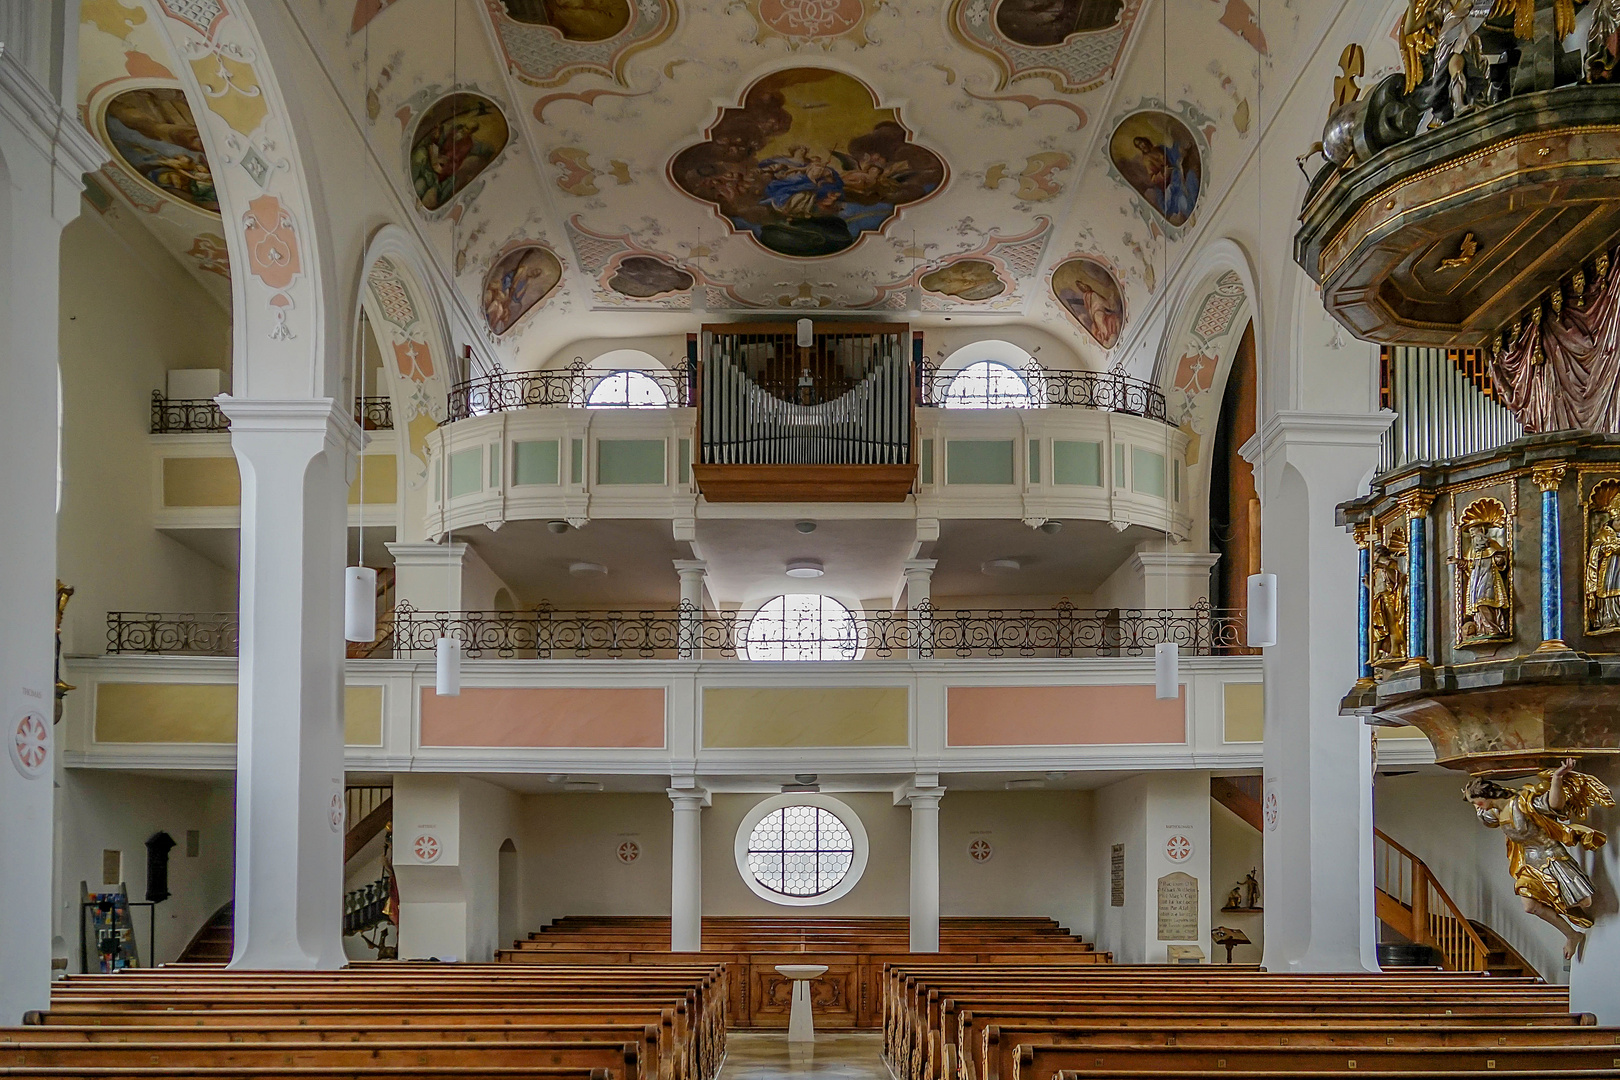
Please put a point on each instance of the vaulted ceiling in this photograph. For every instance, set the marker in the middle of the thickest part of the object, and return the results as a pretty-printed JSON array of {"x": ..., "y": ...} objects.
[{"x": 606, "y": 168}]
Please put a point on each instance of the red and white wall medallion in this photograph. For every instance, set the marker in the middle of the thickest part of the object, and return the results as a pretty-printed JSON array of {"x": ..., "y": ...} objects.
[
  {"x": 629, "y": 851},
  {"x": 981, "y": 850},
  {"x": 1179, "y": 848},
  {"x": 426, "y": 848},
  {"x": 29, "y": 742}
]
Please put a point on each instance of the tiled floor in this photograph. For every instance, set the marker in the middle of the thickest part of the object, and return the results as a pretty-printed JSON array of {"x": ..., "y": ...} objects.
[{"x": 754, "y": 1055}]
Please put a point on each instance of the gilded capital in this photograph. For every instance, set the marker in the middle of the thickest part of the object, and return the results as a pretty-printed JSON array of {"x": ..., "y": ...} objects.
[
  {"x": 1415, "y": 504},
  {"x": 1362, "y": 531},
  {"x": 1549, "y": 476}
]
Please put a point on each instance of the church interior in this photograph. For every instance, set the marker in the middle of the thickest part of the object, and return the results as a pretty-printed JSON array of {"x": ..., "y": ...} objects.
[{"x": 886, "y": 539}]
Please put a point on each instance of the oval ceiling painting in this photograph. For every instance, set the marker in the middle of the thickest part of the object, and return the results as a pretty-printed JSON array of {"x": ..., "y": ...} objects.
[
  {"x": 965, "y": 279},
  {"x": 1089, "y": 292},
  {"x": 644, "y": 277},
  {"x": 808, "y": 163},
  {"x": 519, "y": 279},
  {"x": 1158, "y": 156},
  {"x": 154, "y": 135},
  {"x": 575, "y": 20},
  {"x": 456, "y": 139},
  {"x": 1040, "y": 23}
]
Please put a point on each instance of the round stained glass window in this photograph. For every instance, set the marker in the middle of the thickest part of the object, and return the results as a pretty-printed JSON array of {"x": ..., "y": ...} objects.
[{"x": 800, "y": 849}]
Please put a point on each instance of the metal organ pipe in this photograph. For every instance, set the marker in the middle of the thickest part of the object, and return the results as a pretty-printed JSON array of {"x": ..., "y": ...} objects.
[{"x": 1441, "y": 413}]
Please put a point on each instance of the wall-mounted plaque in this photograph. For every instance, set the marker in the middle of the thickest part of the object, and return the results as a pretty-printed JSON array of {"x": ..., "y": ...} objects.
[
  {"x": 1116, "y": 876},
  {"x": 1178, "y": 907}
]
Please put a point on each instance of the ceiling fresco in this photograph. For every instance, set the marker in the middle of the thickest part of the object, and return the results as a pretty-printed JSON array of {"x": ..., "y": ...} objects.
[{"x": 570, "y": 162}]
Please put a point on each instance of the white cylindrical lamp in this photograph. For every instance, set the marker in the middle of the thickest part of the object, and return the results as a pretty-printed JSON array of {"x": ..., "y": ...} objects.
[
  {"x": 360, "y": 604},
  {"x": 448, "y": 674}
]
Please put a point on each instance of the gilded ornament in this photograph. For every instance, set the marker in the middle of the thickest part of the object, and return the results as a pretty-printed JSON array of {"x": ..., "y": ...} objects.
[
  {"x": 1467, "y": 251},
  {"x": 1541, "y": 821},
  {"x": 1415, "y": 504},
  {"x": 1548, "y": 477},
  {"x": 1485, "y": 574},
  {"x": 1388, "y": 595},
  {"x": 1600, "y": 579}
]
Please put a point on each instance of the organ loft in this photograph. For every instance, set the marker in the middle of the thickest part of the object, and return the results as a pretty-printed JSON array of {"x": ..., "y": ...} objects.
[{"x": 676, "y": 540}]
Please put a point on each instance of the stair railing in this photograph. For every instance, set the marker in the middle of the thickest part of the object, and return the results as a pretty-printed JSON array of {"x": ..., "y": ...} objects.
[{"x": 1436, "y": 920}]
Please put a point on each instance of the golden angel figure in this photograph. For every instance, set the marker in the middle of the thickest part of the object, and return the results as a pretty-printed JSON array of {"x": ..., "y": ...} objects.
[{"x": 1540, "y": 822}]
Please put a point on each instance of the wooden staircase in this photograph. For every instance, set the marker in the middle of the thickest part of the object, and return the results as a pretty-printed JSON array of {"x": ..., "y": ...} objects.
[
  {"x": 215, "y": 941},
  {"x": 1409, "y": 900}
]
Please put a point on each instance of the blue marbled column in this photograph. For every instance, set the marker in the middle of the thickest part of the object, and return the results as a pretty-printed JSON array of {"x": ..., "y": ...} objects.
[
  {"x": 1364, "y": 612},
  {"x": 1417, "y": 577},
  {"x": 1552, "y": 570}
]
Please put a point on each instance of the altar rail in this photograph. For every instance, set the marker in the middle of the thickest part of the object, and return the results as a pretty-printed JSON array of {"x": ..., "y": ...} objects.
[{"x": 685, "y": 633}]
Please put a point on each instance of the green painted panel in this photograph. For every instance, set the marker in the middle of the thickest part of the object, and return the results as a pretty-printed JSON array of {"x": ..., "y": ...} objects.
[
  {"x": 576, "y": 461},
  {"x": 534, "y": 463},
  {"x": 1147, "y": 472},
  {"x": 629, "y": 461},
  {"x": 494, "y": 465},
  {"x": 979, "y": 461},
  {"x": 466, "y": 472},
  {"x": 683, "y": 467},
  {"x": 1119, "y": 465},
  {"x": 1034, "y": 461},
  {"x": 1077, "y": 463},
  {"x": 928, "y": 461}
]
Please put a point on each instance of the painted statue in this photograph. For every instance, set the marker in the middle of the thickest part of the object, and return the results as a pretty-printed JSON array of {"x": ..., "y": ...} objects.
[
  {"x": 1540, "y": 822},
  {"x": 1485, "y": 564},
  {"x": 1601, "y": 581},
  {"x": 1251, "y": 889},
  {"x": 1387, "y": 619}
]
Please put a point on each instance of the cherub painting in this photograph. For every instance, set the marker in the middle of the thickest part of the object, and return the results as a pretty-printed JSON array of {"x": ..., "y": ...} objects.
[
  {"x": 1158, "y": 155},
  {"x": 808, "y": 164},
  {"x": 517, "y": 281},
  {"x": 1089, "y": 291},
  {"x": 1540, "y": 822},
  {"x": 456, "y": 139},
  {"x": 153, "y": 132}
]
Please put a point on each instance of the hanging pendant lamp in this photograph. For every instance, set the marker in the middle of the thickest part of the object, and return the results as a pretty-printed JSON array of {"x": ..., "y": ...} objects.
[
  {"x": 447, "y": 682},
  {"x": 360, "y": 604},
  {"x": 1262, "y": 610},
  {"x": 1167, "y": 671}
]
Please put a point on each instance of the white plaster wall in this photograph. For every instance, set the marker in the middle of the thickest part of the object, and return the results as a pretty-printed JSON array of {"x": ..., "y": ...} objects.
[
  {"x": 99, "y": 810},
  {"x": 116, "y": 346},
  {"x": 1041, "y": 860},
  {"x": 569, "y": 850},
  {"x": 489, "y": 816},
  {"x": 1235, "y": 848},
  {"x": 1120, "y": 817},
  {"x": 1143, "y": 813},
  {"x": 1428, "y": 816}
]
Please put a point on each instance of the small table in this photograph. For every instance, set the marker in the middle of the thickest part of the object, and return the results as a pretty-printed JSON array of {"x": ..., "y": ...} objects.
[{"x": 801, "y": 1022}]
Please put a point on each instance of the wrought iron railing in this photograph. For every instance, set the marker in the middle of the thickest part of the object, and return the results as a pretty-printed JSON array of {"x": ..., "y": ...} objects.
[
  {"x": 374, "y": 413},
  {"x": 568, "y": 387},
  {"x": 546, "y": 633},
  {"x": 173, "y": 415},
  {"x": 189, "y": 633},
  {"x": 1107, "y": 391}
]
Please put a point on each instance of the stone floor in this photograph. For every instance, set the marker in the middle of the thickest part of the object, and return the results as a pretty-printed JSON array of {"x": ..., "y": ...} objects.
[{"x": 754, "y": 1055}]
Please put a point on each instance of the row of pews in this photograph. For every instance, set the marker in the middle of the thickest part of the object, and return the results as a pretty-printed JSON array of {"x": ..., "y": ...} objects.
[
  {"x": 388, "y": 1021},
  {"x": 945, "y": 1021},
  {"x": 854, "y": 950}
]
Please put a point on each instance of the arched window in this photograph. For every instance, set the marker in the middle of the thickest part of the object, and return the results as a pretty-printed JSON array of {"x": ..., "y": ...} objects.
[
  {"x": 801, "y": 849},
  {"x": 626, "y": 390},
  {"x": 988, "y": 384},
  {"x": 803, "y": 626}
]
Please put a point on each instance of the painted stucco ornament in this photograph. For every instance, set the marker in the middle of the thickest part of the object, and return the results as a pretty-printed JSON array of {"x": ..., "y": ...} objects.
[{"x": 1541, "y": 821}]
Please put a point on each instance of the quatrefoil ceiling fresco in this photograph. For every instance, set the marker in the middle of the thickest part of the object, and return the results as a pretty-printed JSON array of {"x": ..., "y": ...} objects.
[{"x": 808, "y": 164}]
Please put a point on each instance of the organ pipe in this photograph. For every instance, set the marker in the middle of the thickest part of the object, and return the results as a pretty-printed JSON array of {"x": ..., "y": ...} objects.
[{"x": 1441, "y": 413}]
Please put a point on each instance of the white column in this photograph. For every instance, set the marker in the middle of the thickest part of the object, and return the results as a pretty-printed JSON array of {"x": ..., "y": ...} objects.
[
  {"x": 44, "y": 152},
  {"x": 920, "y": 605},
  {"x": 692, "y": 572},
  {"x": 924, "y": 911},
  {"x": 686, "y": 870},
  {"x": 297, "y": 460},
  {"x": 1317, "y": 794},
  {"x": 427, "y": 577}
]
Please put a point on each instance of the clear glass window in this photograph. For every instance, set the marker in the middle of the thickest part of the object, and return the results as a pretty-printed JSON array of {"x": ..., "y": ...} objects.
[
  {"x": 803, "y": 626},
  {"x": 800, "y": 851},
  {"x": 627, "y": 390},
  {"x": 988, "y": 384}
]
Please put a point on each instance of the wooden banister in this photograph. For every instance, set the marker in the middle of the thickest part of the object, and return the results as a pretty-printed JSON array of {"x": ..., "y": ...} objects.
[{"x": 1421, "y": 909}]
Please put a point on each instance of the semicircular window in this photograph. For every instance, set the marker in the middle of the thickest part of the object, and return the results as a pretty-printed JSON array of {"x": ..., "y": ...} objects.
[
  {"x": 627, "y": 390},
  {"x": 800, "y": 850},
  {"x": 803, "y": 626},
  {"x": 988, "y": 384}
]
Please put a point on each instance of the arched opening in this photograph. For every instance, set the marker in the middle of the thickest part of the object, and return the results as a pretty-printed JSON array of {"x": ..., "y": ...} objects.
[
  {"x": 989, "y": 384},
  {"x": 1234, "y": 501},
  {"x": 626, "y": 390},
  {"x": 509, "y": 895},
  {"x": 803, "y": 626}
]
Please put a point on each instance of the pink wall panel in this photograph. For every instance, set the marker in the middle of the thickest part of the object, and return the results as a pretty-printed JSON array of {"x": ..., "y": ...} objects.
[
  {"x": 1063, "y": 716},
  {"x": 545, "y": 717}
]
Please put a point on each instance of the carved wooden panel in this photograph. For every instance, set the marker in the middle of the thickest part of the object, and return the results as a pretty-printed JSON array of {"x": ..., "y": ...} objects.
[{"x": 834, "y": 996}]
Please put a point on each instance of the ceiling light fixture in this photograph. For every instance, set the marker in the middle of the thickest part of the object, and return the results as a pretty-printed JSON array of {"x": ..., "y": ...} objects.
[
  {"x": 583, "y": 785},
  {"x": 1001, "y": 567},
  {"x": 805, "y": 568},
  {"x": 557, "y": 527},
  {"x": 586, "y": 569},
  {"x": 805, "y": 527},
  {"x": 1030, "y": 784},
  {"x": 1051, "y": 528}
]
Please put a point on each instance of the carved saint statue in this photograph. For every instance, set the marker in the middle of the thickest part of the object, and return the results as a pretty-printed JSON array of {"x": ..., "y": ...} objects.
[
  {"x": 1234, "y": 899},
  {"x": 1387, "y": 639},
  {"x": 1601, "y": 581},
  {"x": 1539, "y": 822},
  {"x": 1487, "y": 602},
  {"x": 1251, "y": 890}
]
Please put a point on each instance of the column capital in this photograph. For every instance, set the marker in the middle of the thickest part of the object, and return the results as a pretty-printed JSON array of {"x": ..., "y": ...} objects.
[
  {"x": 919, "y": 567},
  {"x": 690, "y": 798},
  {"x": 1362, "y": 532},
  {"x": 294, "y": 416},
  {"x": 1549, "y": 476},
  {"x": 1415, "y": 504},
  {"x": 52, "y": 130},
  {"x": 1290, "y": 428},
  {"x": 426, "y": 553},
  {"x": 920, "y": 798},
  {"x": 684, "y": 567}
]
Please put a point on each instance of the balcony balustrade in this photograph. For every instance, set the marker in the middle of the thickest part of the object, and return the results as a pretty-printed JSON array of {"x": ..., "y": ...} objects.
[
  {"x": 565, "y": 388},
  {"x": 175, "y": 416}
]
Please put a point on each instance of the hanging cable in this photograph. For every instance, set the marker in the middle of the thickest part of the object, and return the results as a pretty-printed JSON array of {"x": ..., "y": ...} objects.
[
  {"x": 360, "y": 580},
  {"x": 447, "y": 651},
  {"x": 1262, "y": 608}
]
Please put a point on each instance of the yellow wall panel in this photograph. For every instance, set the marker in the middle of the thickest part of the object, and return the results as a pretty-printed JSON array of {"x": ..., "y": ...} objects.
[
  {"x": 189, "y": 713},
  {"x": 201, "y": 481},
  {"x": 739, "y": 716},
  {"x": 1245, "y": 715},
  {"x": 1399, "y": 733},
  {"x": 381, "y": 478}
]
